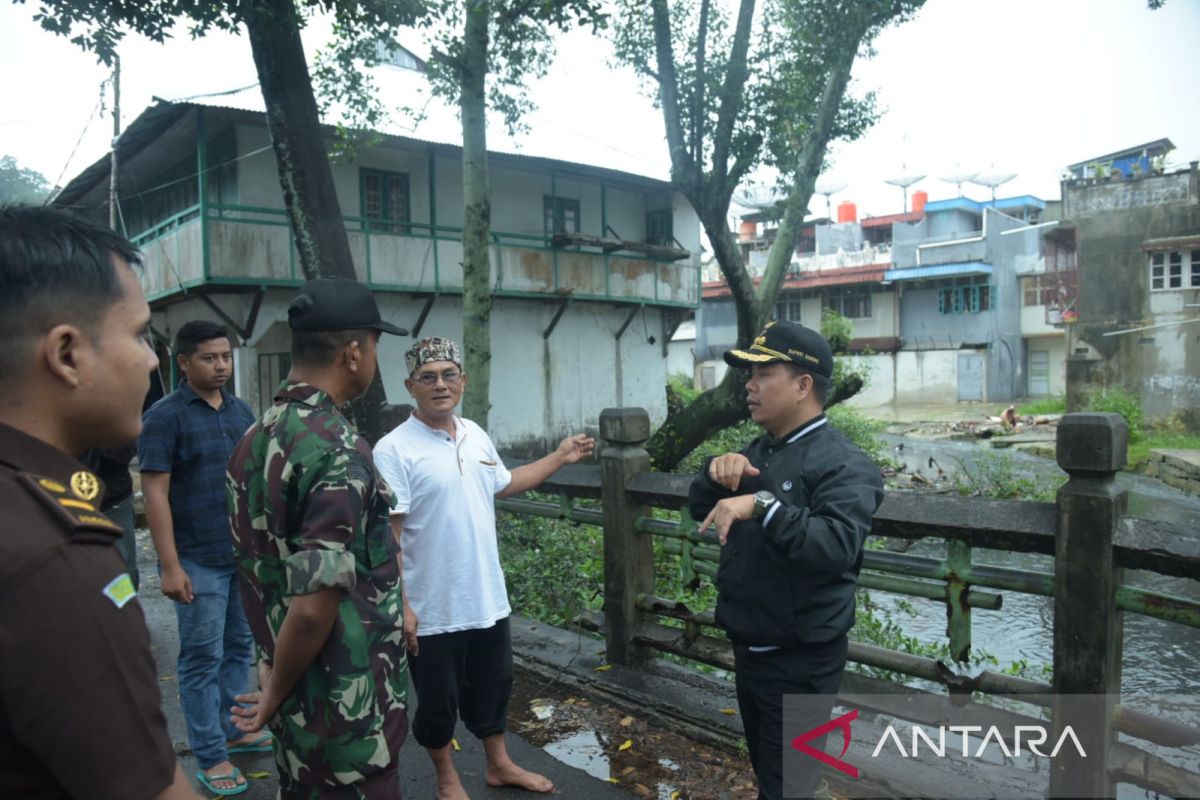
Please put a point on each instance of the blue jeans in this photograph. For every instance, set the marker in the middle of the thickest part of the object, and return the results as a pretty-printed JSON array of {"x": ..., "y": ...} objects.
[{"x": 215, "y": 654}]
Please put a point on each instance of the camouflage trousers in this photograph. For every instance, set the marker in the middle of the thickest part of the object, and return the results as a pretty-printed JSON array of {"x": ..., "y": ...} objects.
[{"x": 383, "y": 785}]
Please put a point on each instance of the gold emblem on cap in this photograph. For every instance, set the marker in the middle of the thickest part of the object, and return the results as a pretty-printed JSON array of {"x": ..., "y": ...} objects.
[
  {"x": 85, "y": 486},
  {"x": 52, "y": 486}
]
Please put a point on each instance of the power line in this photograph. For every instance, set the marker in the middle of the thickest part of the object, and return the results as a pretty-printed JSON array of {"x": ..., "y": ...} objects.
[
  {"x": 91, "y": 119},
  {"x": 215, "y": 94}
]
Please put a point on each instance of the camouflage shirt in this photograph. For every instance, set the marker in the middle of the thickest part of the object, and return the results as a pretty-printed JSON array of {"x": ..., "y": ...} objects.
[{"x": 309, "y": 511}]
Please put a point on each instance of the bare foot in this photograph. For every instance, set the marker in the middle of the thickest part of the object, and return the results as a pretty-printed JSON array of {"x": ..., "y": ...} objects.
[
  {"x": 511, "y": 775},
  {"x": 224, "y": 768},
  {"x": 449, "y": 787}
]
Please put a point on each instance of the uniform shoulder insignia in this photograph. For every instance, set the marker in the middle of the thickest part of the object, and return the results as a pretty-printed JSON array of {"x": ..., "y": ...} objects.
[{"x": 72, "y": 511}]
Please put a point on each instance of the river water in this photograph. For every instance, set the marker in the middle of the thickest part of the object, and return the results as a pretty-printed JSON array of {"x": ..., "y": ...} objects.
[{"x": 1160, "y": 658}]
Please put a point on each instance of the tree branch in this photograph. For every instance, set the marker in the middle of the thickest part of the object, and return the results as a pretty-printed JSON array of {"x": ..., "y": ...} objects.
[
  {"x": 736, "y": 74},
  {"x": 812, "y": 156},
  {"x": 681, "y": 162},
  {"x": 698, "y": 95}
]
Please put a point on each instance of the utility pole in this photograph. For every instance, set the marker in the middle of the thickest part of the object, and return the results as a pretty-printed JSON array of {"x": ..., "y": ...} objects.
[{"x": 116, "y": 115}]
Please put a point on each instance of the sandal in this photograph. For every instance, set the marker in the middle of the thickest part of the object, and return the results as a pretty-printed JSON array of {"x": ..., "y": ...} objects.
[
  {"x": 208, "y": 781},
  {"x": 264, "y": 743}
]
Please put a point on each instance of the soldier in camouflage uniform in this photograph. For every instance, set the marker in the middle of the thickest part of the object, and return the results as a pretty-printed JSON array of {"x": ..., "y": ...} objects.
[{"x": 317, "y": 563}]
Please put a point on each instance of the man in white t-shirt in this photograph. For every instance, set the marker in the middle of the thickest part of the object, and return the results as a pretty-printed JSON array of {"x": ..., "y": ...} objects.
[{"x": 445, "y": 473}]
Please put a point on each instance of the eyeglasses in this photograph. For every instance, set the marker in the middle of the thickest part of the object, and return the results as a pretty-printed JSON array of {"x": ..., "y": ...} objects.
[{"x": 451, "y": 377}]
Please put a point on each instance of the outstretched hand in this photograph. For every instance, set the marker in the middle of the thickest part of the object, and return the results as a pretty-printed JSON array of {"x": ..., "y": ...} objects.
[
  {"x": 576, "y": 448},
  {"x": 727, "y": 470}
]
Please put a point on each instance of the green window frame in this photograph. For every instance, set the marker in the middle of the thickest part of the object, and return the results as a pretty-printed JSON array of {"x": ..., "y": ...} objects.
[
  {"x": 660, "y": 228},
  {"x": 972, "y": 299},
  {"x": 385, "y": 201},
  {"x": 560, "y": 215}
]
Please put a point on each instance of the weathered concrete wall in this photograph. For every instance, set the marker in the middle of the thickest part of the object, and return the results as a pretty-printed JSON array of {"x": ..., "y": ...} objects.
[
  {"x": 952, "y": 222},
  {"x": 839, "y": 236},
  {"x": 541, "y": 389},
  {"x": 1113, "y": 221},
  {"x": 880, "y": 370},
  {"x": 681, "y": 359},
  {"x": 926, "y": 376}
]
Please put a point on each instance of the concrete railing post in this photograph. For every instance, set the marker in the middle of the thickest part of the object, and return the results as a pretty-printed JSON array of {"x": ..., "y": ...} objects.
[
  {"x": 1091, "y": 448},
  {"x": 628, "y": 555}
]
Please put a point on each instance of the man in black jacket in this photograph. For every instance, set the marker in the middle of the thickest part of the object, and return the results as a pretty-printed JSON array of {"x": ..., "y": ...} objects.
[{"x": 792, "y": 512}]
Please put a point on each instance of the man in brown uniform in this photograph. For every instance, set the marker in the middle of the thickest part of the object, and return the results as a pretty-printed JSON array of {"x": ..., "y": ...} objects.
[{"x": 80, "y": 713}]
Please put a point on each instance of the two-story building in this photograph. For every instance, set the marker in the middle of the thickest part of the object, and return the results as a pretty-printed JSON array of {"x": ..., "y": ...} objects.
[
  {"x": 1138, "y": 313},
  {"x": 592, "y": 269},
  {"x": 935, "y": 296}
]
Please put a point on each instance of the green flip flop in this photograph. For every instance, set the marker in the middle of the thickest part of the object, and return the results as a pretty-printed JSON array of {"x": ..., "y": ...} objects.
[
  {"x": 208, "y": 782},
  {"x": 264, "y": 743}
]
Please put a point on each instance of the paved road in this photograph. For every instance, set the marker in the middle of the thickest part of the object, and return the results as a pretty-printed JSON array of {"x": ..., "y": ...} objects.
[{"x": 417, "y": 776}]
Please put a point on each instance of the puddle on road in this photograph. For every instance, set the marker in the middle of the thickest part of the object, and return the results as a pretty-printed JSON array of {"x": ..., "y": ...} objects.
[{"x": 611, "y": 745}]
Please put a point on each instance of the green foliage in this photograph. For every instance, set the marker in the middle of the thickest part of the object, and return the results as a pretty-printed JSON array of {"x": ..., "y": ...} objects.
[
  {"x": 1119, "y": 400},
  {"x": 99, "y": 27},
  {"x": 555, "y": 569},
  {"x": 837, "y": 330},
  {"x": 876, "y": 623},
  {"x": 1139, "y": 451},
  {"x": 682, "y": 386},
  {"x": 1047, "y": 405},
  {"x": 861, "y": 430},
  {"x": 19, "y": 185},
  {"x": 994, "y": 476}
]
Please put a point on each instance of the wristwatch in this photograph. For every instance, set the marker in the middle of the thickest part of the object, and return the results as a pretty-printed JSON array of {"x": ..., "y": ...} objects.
[{"x": 762, "y": 501}]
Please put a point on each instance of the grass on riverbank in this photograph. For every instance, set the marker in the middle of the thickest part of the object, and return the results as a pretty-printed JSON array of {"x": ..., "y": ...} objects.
[
  {"x": 1139, "y": 451},
  {"x": 1046, "y": 405}
]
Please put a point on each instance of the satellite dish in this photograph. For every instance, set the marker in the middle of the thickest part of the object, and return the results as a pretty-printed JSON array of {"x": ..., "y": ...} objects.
[
  {"x": 959, "y": 179},
  {"x": 828, "y": 187},
  {"x": 760, "y": 198},
  {"x": 905, "y": 181},
  {"x": 992, "y": 181}
]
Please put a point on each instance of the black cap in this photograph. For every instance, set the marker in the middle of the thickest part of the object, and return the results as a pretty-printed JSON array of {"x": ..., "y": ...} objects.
[
  {"x": 786, "y": 341},
  {"x": 337, "y": 304}
]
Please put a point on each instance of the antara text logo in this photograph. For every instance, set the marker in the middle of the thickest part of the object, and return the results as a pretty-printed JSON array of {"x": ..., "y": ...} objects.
[{"x": 967, "y": 741}]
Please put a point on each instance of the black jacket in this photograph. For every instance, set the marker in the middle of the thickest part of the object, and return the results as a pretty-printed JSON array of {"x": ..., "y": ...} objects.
[{"x": 789, "y": 579}]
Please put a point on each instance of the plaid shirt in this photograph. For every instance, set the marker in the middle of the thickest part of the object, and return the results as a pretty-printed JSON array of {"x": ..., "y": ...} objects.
[{"x": 185, "y": 436}]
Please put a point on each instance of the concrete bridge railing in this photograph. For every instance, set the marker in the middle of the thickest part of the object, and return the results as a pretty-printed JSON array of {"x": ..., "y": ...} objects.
[{"x": 1086, "y": 531}]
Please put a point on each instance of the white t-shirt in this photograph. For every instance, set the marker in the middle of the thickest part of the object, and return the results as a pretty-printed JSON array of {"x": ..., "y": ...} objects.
[{"x": 446, "y": 487}]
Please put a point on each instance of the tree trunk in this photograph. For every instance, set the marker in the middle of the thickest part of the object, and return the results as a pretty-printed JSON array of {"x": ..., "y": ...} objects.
[
  {"x": 711, "y": 412},
  {"x": 303, "y": 163},
  {"x": 724, "y": 405},
  {"x": 477, "y": 292}
]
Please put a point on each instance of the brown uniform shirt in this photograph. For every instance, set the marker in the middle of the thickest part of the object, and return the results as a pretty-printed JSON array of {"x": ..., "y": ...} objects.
[{"x": 80, "y": 713}]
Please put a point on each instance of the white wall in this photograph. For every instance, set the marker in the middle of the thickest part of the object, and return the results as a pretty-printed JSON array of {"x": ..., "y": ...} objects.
[
  {"x": 681, "y": 357},
  {"x": 927, "y": 376},
  {"x": 880, "y": 373}
]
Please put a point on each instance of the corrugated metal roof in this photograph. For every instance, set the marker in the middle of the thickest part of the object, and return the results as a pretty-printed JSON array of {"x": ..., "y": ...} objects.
[
  {"x": 156, "y": 119},
  {"x": 939, "y": 271}
]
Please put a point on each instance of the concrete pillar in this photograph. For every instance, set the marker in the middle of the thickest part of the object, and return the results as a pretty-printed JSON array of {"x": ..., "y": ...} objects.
[
  {"x": 628, "y": 555},
  {"x": 1091, "y": 448}
]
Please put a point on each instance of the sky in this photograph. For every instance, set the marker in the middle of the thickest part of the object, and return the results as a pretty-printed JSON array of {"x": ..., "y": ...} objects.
[{"x": 968, "y": 86}]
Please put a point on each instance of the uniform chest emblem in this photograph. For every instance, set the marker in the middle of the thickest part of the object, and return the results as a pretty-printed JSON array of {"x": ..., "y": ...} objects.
[
  {"x": 120, "y": 590},
  {"x": 85, "y": 485},
  {"x": 787, "y": 486}
]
